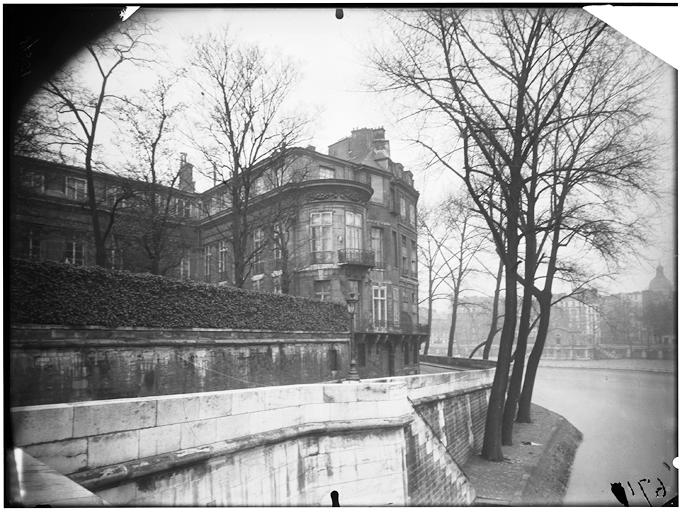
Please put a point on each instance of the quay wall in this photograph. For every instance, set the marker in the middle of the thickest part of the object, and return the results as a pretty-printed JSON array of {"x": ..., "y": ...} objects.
[{"x": 283, "y": 445}]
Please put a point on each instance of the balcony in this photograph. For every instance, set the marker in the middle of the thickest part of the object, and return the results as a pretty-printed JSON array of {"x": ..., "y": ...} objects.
[{"x": 357, "y": 257}]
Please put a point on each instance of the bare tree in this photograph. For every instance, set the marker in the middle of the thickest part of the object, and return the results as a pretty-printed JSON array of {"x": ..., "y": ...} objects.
[
  {"x": 504, "y": 81},
  {"x": 71, "y": 113},
  {"x": 495, "y": 316},
  {"x": 460, "y": 255},
  {"x": 431, "y": 242},
  {"x": 243, "y": 95},
  {"x": 152, "y": 214}
]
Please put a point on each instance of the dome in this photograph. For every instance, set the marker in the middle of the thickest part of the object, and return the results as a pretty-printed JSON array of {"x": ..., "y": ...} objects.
[{"x": 660, "y": 283}]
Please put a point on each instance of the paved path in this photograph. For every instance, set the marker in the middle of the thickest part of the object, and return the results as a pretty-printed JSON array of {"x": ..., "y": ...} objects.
[{"x": 629, "y": 425}]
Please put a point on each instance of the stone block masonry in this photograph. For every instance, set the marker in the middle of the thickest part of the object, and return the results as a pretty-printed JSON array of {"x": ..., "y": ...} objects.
[
  {"x": 54, "y": 364},
  {"x": 285, "y": 445}
]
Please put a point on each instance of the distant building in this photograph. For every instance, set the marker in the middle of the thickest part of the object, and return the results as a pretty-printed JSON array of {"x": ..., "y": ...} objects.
[{"x": 350, "y": 227}]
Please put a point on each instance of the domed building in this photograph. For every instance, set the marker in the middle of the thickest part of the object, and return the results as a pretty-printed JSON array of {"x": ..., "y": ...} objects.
[
  {"x": 658, "y": 306},
  {"x": 660, "y": 283}
]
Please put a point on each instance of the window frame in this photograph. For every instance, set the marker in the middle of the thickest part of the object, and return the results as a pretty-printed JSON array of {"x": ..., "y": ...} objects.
[{"x": 71, "y": 192}]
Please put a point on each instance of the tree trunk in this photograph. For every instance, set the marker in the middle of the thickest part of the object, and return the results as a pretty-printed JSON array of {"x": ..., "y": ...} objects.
[
  {"x": 517, "y": 370},
  {"x": 429, "y": 323},
  {"x": 493, "y": 329},
  {"x": 524, "y": 411},
  {"x": 515, "y": 387},
  {"x": 491, "y": 449},
  {"x": 454, "y": 315}
]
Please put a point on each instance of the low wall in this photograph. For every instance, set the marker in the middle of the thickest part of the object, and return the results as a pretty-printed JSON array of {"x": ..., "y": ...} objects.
[
  {"x": 462, "y": 363},
  {"x": 287, "y": 445},
  {"x": 54, "y": 364}
]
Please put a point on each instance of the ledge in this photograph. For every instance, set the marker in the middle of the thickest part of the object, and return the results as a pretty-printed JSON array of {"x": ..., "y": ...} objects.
[{"x": 103, "y": 477}]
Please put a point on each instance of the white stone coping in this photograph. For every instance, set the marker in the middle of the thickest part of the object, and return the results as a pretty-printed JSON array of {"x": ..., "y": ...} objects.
[{"x": 83, "y": 436}]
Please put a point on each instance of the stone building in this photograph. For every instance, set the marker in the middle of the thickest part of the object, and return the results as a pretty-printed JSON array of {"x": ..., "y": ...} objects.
[{"x": 324, "y": 226}]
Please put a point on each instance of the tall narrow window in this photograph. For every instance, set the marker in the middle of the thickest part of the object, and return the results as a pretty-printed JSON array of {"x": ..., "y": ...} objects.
[
  {"x": 74, "y": 252},
  {"x": 278, "y": 249},
  {"x": 407, "y": 354},
  {"x": 353, "y": 230},
  {"x": 379, "y": 306},
  {"x": 414, "y": 259},
  {"x": 404, "y": 255},
  {"x": 326, "y": 173},
  {"x": 207, "y": 262},
  {"x": 395, "y": 304},
  {"x": 402, "y": 207},
  {"x": 185, "y": 267},
  {"x": 322, "y": 242},
  {"x": 377, "y": 246},
  {"x": 258, "y": 248},
  {"x": 75, "y": 188},
  {"x": 322, "y": 290},
  {"x": 412, "y": 213},
  {"x": 395, "y": 249},
  {"x": 378, "y": 189},
  {"x": 222, "y": 259}
]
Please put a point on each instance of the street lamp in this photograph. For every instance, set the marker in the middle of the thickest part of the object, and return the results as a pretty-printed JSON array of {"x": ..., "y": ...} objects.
[{"x": 351, "y": 307}]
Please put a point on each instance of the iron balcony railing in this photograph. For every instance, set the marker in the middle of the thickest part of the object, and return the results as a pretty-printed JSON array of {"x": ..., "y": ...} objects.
[{"x": 356, "y": 257}]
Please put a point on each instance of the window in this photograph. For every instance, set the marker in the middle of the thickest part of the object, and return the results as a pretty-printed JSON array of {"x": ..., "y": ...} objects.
[
  {"x": 75, "y": 188},
  {"x": 326, "y": 173},
  {"x": 257, "y": 187},
  {"x": 74, "y": 252},
  {"x": 34, "y": 181},
  {"x": 404, "y": 255},
  {"x": 322, "y": 242},
  {"x": 353, "y": 230},
  {"x": 414, "y": 259},
  {"x": 258, "y": 249},
  {"x": 361, "y": 354},
  {"x": 333, "y": 360},
  {"x": 378, "y": 189},
  {"x": 412, "y": 213},
  {"x": 278, "y": 252},
  {"x": 207, "y": 262},
  {"x": 33, "y": 246},
  {"x": 396, "y": 250},
  {"x": 222, "y": 259},
  {"x": 402, "y": 207},
  {"x": 377, "y": 245},
  {"x": 322, "y": 290},
  {"x": 185, "y": 267},
  {"x": 395, "y": 304},
  {"x": 406, "y": 354},
  {"x": 379, "y": 309},
  {"x": 182, "y": 207}
]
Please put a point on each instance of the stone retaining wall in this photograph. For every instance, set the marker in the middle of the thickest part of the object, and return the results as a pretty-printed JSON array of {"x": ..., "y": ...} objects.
[
  {"x": 54, "y": 364},
  {"x": 286, "y": 445}
]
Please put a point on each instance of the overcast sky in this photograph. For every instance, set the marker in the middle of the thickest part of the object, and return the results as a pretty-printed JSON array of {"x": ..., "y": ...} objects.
[{"x": 331, "y": 56}]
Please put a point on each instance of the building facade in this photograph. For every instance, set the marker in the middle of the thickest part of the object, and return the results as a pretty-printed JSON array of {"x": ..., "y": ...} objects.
[{"x": 322, "y": 226}]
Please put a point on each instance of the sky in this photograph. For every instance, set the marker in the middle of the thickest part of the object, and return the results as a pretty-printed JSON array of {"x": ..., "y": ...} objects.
[{"x": 331, "y": 56}]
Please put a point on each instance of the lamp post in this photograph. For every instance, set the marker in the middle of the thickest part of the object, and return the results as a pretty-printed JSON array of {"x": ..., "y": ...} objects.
[{"x": 351, "y": 307}]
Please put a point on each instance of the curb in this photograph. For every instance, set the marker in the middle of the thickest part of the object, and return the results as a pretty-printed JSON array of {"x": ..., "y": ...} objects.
[
  {"x": 516, "y": 499},
  {"x": 532, "y": 474}
]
